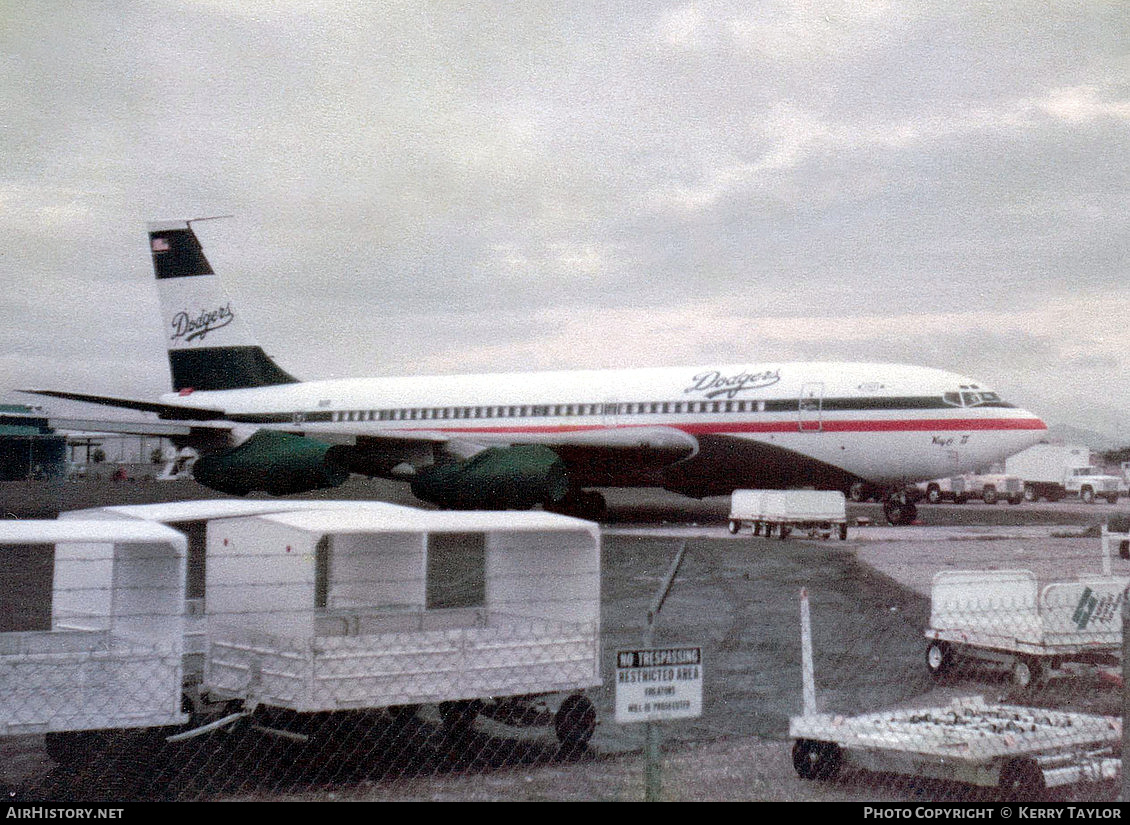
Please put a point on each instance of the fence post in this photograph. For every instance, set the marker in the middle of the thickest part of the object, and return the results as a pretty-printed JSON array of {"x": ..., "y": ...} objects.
[
  {"x": 652, "y": 786},
  {"x": 1125, "y": 695}
]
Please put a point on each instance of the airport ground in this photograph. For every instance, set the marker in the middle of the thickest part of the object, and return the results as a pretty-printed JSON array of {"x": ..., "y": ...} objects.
[{"x": 736, "y": 597}]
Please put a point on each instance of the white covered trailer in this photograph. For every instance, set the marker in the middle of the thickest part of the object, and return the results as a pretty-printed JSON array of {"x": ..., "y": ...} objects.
[
  {"x": 191, "y": 518},
  {"x": 818, "y": 512},
  {"x": 112, "y": 656},
  {"x": 395, "y": 607},
  {"x": 1003, "y": 616}
]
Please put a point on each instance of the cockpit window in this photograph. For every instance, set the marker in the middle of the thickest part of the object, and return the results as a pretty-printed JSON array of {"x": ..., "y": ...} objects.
[{"x": 971, "y": 399}]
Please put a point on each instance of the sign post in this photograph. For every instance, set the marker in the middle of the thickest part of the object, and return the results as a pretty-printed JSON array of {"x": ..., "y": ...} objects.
[{"x": 653, "y": 684}]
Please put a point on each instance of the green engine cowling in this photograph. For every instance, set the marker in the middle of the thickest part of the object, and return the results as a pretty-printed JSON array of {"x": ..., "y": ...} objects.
[
  {"x": 499, "y": 478},
  {"x": 275, "y": 462}
]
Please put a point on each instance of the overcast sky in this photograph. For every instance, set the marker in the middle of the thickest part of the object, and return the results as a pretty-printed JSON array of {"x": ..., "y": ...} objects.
[{"x": 440, "y": 187}]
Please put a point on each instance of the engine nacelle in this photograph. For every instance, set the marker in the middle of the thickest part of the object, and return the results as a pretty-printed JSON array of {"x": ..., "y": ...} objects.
[
  {"x": 275, "y": 462},
  {"x": 499, "y": 478}
]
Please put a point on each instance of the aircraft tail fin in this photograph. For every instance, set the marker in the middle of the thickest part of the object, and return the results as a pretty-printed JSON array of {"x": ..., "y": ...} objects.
[{"x": 210, "y": 348}]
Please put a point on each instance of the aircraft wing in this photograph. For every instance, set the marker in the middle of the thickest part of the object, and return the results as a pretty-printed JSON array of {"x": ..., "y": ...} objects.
[{"x": 593, "y": 455}]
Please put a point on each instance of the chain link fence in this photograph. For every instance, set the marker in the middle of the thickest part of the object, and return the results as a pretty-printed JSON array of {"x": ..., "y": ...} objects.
[{"x": 998, "y": 686}]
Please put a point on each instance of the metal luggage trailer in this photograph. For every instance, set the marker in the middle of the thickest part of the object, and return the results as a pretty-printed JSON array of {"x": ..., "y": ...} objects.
[
  {"x": 112, "y": 658},
  {"x": 313, "y": 612},
  {"x": 1021, "y": 750},
  {"x": 816, "y": 512},
  {"x": 1001, "y": 616}
]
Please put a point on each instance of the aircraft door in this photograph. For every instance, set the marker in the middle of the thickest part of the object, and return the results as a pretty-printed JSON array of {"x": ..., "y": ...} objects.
[{"x": 810, "y": 408}]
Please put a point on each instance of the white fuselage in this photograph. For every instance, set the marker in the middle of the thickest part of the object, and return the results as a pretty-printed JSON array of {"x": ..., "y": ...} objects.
[{"x": 881, "y": 422}]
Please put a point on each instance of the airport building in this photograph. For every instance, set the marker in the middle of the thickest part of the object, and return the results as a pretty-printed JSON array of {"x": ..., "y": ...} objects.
[{"x": 29, "y": 448}]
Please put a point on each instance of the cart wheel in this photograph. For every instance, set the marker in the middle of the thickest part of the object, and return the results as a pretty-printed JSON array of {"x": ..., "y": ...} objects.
[
  {"x": 68, "y": 747},
  {"x": 939, "y": 658},
  {"x": 816, "y": 760},
  {"x": 402, "y": 714},
  {"x": 1021, "y": 780},
  {"x": 1026, "y": 673},
  {"x": 575, "y": 721},
  {"x": 735, "y": 526},
  {"x": 459, "y": 716}
]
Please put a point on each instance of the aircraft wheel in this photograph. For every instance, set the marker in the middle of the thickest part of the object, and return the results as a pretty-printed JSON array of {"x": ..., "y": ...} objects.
[
  {"x": 843, "y": 532},
  {"x": 900, "y": 513},
  {"x": 575, "y": 721},
  {"x": 783, "y": 532},
  {"x": 768, "y": 530},
  {"x": 816, "y": 760}
]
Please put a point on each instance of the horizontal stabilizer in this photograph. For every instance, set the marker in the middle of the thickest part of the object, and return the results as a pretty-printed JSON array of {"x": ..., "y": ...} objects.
[{"x": 164, "y": 410}]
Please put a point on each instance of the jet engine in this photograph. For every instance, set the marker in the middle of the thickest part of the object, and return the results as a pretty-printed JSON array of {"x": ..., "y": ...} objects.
[
  {"x": 278, "y": 463},
  {"x": 498, "y": 478}
]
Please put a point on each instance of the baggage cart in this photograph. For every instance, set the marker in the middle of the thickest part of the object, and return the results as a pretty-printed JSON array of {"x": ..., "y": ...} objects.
[
  {"x": 192, "y": 518},
  {"x": 111, "y": 657},
  {"x": 358, "y": 608},
  {"x": 1002, "y": 616},
  {"x": 817, "y": 512},
  {"x": 1023, "y": 751}
]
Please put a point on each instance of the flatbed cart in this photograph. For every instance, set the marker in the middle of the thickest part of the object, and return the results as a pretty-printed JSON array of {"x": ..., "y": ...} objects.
[
  {"x": 363, "y": 608},
  {"x": 1003, "y": 617},
  {"x": 819, "y": 513},
  {"x": 1023, "y": 751},
  {"x": 110, "y": 657}
]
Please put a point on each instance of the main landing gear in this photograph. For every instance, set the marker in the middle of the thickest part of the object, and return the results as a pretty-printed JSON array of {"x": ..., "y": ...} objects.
[
  {"x": 899, "y": 508},
  {"x": 586, "y": 504}
]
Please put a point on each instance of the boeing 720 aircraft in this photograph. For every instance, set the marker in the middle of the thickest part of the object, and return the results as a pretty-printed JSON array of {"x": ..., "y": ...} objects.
[{"x": 519, "y": 440}]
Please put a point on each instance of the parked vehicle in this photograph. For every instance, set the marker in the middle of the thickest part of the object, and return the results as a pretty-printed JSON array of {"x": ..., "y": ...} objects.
[
  {"x": 953, "y": 488},
  {"x": 819, "y": 512},
  {"x": 994, "y": 487},
  {"x": 990, "y": 488},
  {"x": 1053, "y": 471}
]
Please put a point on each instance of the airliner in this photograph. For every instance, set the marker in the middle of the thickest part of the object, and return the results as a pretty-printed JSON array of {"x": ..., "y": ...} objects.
[{"x": 520, "y": 440}]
